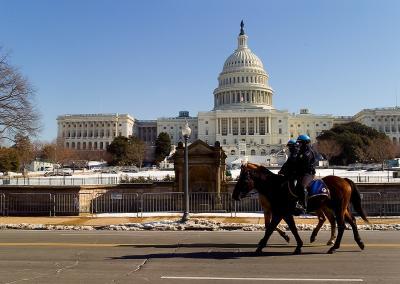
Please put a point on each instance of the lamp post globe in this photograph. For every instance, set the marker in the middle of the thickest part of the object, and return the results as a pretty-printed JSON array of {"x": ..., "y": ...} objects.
[{"x": 186, "y": 131}]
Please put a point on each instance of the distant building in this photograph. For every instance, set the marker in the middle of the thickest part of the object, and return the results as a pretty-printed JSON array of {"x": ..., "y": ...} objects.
[
  {"x": 386, "y": 120},
  {"x": 92, "y": 131},
  {"x": 173, "y": 126},
  {"x": 243, "y": 118}
]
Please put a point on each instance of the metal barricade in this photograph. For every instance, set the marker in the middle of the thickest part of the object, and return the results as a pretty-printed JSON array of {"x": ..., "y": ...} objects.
[
  {"x": 115, "y": 202},
  {"x": 372, "y": 204},
  {"x": 250, "y": 205},
  {"x": 391, "y": 203},
  {"x": 85, "y": 201},
  {"x": 162, "y": 202},
  {"x": 207, "y": 202},
  {"x": 66, "y": 204},
  {"x": 2, "y": 204},
  {"x": 40, "y": 204}
]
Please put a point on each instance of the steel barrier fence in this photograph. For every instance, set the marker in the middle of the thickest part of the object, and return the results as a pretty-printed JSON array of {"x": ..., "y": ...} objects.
[
  {"x": 372, "y": 203},
  {"x": 162, "y": 202},
  {"x": 391, "y": 203},
  {"x": 66, "y": 204},
  {"x": 29, "y": 204},
  {"x": 2, "y": 203},
  {"x": 115, "y": 202},
  {"x": 58, "y": 204},
  {"x": 208, "y": 202}
]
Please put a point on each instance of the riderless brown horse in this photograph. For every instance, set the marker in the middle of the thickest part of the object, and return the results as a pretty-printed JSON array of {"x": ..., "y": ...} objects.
[{"x": 274, "y": 189}]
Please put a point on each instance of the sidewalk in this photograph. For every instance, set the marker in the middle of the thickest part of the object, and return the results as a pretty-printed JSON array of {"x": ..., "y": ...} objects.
[{"x": 104, "y": 220}]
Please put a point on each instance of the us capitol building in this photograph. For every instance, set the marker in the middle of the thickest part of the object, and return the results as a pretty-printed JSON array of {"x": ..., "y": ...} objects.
[{"x": 243, "y": 119}]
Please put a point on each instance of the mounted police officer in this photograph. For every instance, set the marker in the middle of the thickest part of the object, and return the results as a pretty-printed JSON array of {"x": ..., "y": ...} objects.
[
  {"x": 305, "y": 168},
  {"x": 289, "y": 167}
]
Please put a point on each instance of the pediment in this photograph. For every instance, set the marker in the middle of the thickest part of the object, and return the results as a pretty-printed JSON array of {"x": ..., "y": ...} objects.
[{"x": 200, "y": 148}]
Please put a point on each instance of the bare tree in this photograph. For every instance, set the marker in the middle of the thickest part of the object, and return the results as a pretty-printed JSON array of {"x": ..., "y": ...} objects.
[
  {"x": 381, "y": 149},
  {"x": 18, "y": 114},
  {"x": 328, "y": 148}
]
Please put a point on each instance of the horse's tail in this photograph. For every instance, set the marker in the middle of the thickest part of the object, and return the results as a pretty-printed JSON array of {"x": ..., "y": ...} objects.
[{"x": 356, "y": 200}]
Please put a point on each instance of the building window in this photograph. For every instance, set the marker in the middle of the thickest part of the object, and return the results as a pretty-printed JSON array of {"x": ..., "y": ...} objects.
[
  {"x": 253, "y": 152},
  {"x": 206, "y": 131},
  {"x": 279, "y": 121},
  {"x": 206, "y": 122},
  {"x": 224, "y": 142},
  {"x": 280, "y": 132},
  {"x": 262, "y": 141},
  {"x": 233, "y": 152}
]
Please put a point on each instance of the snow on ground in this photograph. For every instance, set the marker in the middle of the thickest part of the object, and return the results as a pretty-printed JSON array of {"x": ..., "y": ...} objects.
[
  {"x": 337, "y": 172},
  {"x": 160, "y": 175}
]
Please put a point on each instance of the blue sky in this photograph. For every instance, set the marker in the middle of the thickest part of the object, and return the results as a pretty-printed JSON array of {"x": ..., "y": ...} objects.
[{"x": 153, "y": 58}]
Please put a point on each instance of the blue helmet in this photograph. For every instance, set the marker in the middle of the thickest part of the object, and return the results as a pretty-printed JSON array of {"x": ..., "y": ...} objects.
[
  {"x": 304, "y": 138},
  {"x": 291, "y": 142}
]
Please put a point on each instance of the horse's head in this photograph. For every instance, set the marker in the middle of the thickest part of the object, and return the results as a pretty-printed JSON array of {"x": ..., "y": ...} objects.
[{"x": 246, "y": 182}]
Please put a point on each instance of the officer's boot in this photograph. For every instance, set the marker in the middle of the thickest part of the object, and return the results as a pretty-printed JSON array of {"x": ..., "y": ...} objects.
[{"x": 300, "y": 205}]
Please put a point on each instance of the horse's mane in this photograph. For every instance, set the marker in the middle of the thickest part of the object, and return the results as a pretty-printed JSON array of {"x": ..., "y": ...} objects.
[{"x": 260, "y": 168}]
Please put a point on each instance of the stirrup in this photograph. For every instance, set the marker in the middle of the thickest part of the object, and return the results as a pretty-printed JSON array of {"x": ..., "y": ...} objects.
[{"x": 299, "y": 209}]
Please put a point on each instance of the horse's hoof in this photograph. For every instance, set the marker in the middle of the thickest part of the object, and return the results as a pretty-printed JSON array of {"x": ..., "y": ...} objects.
[
  {"x": 331, "y": 250},
  {"x": 361, "y": 245},
  {"x": 312, "y": 239},
  {"x": 287, "y": 239},
  {"x": 297, "y": 251},
  {"x": 258, "y": 251}
]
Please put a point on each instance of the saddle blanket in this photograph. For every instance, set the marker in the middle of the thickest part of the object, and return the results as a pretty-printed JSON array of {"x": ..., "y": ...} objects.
[{"x": 316, "y": 188}]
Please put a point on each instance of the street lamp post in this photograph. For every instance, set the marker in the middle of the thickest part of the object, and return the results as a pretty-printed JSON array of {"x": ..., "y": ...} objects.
[{"x": 186, "y": 131}]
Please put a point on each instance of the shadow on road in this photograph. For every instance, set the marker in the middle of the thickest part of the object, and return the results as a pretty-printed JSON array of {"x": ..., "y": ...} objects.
[
  {"x": 215, "y": 251},
  {"x": 211, "y": 245}
]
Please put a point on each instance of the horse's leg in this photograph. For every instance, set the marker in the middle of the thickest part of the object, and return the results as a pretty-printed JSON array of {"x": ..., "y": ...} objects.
[
  {"x": 329, "y": 214},
  {"x": 267, "y": 217},
  {"x": 321, "y": 220},
  {"x": 292, "y": 226},
  {"x": 352, "y": 221},
  {"x": 268, "y": 232},
  {"x": 283, "y": 234},
  {"x": 339, "y": 212}
]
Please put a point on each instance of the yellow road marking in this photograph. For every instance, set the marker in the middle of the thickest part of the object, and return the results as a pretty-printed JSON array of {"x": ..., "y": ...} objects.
[{"x": 50, "y": 244}]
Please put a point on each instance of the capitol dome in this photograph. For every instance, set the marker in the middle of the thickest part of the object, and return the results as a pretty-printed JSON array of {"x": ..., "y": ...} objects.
[{"x": 243, "y": 82}]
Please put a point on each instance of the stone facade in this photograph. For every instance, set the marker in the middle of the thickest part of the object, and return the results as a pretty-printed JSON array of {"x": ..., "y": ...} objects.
[
  {"x": 206, "y": 167},
  {"x": 92, "y": 131},
  {"x": 386, "y": 120}
]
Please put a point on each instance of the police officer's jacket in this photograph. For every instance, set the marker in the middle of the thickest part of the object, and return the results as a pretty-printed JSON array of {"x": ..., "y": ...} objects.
[
  {"x": 289, "y": 167},
  {"x": 306, "y": 161}
]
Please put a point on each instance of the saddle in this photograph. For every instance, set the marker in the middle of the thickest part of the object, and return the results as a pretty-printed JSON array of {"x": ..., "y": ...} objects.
[{"x": 317, "y": 188}]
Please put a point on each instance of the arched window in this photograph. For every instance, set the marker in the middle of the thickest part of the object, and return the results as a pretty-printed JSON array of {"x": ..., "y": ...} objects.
[
  {"x": 253, "y": 152},
  {"x": 263, "y": 153},
  {"x": 233, "y": 152}
]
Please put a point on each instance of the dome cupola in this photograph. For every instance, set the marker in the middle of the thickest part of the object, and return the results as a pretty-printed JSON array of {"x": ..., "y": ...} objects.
[{"x": 243, "y": 82}]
